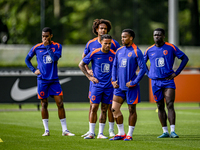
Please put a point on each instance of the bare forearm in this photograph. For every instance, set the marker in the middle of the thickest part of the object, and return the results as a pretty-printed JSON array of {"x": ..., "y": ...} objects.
[
  {"x": 86, "y": 66},
  {"x": 82, "y": 66}
]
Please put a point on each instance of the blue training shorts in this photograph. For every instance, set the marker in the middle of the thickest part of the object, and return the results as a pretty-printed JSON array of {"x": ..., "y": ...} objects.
[
  {"x": 48, "y": 88},
  {"x": 132, "y": 95},
  {"x": 104, "y": 95},
  {"x": 158, "y": 85}
]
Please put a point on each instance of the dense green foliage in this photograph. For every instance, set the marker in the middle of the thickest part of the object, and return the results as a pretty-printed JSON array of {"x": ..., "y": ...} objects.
[{"x": 71, "y": 20}]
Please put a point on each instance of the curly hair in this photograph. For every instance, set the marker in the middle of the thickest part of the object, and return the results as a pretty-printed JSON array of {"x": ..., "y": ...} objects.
[{"x": 97, "y": 22}]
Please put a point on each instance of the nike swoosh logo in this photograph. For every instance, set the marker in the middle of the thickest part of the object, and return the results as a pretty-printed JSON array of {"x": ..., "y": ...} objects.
[{"x": 19, "y": 95}]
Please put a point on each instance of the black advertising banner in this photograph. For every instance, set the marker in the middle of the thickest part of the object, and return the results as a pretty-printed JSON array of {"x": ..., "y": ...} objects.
[
  {"x": 144, "y": 89},
  {"x": 23, "y": 88}
]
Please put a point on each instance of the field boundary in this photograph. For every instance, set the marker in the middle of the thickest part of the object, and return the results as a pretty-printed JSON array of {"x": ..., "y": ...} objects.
[{"x": 86, "y": 109}]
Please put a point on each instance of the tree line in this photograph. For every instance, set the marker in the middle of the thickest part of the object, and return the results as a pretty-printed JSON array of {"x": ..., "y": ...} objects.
[{"x": 71, "y": 20}]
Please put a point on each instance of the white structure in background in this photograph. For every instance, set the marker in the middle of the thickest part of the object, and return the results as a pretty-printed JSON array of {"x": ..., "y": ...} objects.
[{"x": 173, "y": 36}]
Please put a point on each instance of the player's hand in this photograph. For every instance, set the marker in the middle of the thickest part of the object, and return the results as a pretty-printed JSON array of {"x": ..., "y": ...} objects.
[
  {"x": 45, "y": 42},
  {"x": 128, "y": 84},
  {"x": 90, "y": 72},
  {"x": 172, "y": 76},
  {"x": 37, "y": 72},
  {"x": 115, "y": 85},
  {"x": 93, "y": 79}
]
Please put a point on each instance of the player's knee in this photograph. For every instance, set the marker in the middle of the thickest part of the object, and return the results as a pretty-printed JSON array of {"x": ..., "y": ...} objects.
[
  {"x": 94, "y": 108},
  {"x": 113, "y": 110},
  {"x": 160, "y": 105},
  {"x": 116, "y": 109},
  {"x": 116, "y": 112},
  {"x": 170, "y": 105},
  {"x": 44, "y": 104},
  {"x": 104, "y": 107},
  {"x": 60, "y": 104},
  {"x": 132, "y": 111}
]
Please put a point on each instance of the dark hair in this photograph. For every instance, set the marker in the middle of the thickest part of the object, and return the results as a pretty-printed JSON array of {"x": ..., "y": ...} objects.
[
  {"x": 97, "y": 22},
  {"x": 47, "y": 29},
  {"x": 160, "y": 29},
  {"x": 130, "y": 32},
  {"x": 106, "y": 36}
]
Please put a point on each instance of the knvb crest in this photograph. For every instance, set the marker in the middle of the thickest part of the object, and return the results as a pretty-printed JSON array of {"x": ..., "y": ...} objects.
[
  {"x": 160, "y": 62},
  {"x": 47, "y": 59},
  {"x": 105, "y": 67},
  {"x": 123, "y": 62}
]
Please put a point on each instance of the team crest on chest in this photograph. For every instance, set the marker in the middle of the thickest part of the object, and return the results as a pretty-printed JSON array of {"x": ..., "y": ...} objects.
[
  {"x": 123, "y": 62},
  {"x": 105, "y": 67},
  {"x": 47, "y": 59},
  {"x": 110, "y": 59},
  {"x": 165, "y": 52},
  {"x": 129, "y": 54},
  {"x": 160, "y": 62}
]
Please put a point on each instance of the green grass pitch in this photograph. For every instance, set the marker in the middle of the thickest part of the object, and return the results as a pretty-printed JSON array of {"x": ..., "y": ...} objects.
[{"x": 22, "y": 129}]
